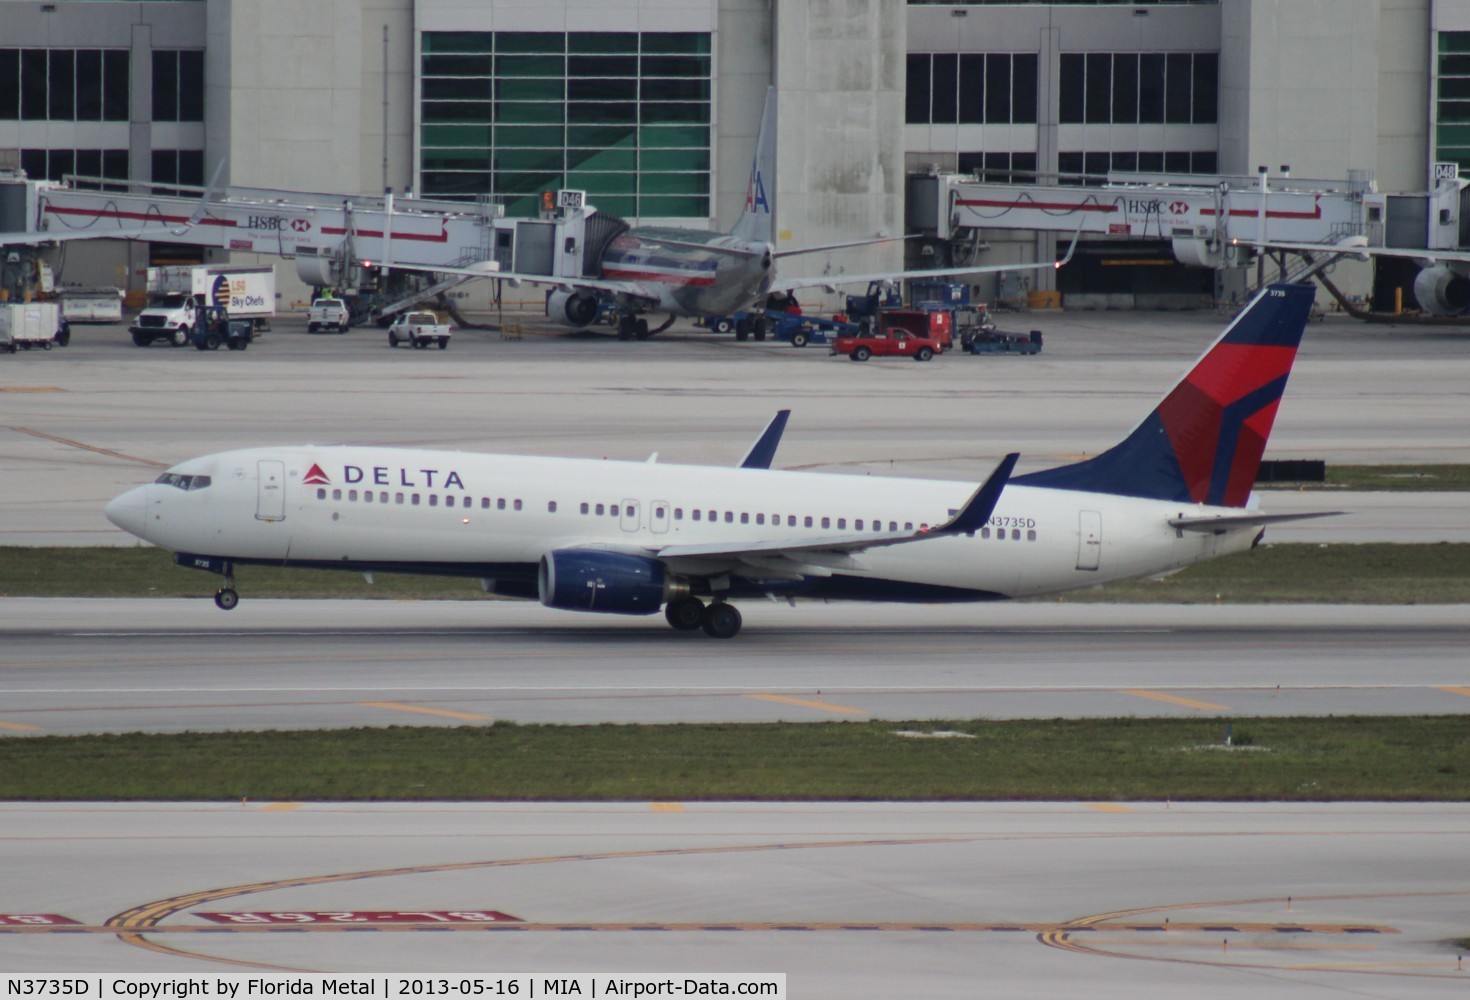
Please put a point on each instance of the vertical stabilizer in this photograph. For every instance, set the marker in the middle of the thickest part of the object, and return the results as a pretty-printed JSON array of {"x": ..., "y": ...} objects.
[
  {"x": 757, "y": 221},
  {"x": 1203, "y": 442}
]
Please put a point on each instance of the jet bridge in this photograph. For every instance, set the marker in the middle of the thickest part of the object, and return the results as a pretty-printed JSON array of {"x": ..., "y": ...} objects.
[{"x": 331, "y": 237}]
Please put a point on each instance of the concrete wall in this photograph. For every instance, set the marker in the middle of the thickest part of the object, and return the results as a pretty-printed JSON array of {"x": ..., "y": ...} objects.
[{"x": 840, "y": 173}]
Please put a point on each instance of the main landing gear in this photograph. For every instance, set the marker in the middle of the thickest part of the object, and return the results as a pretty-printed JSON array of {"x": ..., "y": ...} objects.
[
  {"x": 226, "y": 598},
  {"x": 631, "y": 327},
  {"x": 719, "y": 620}
]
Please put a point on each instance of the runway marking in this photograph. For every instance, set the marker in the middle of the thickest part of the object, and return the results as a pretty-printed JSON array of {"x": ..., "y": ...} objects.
[
  {"x": 87, "y": 447},
  {"x": 442, "y": 712},
  {"x": 30, "y": 388},
  {"x": 1457, "y": 690},
  {"x": 1108, "y": 807},
  {"x": 666, "y": 807},
  {"x": 291, "y": 926},
  {"x": 19, "y": 727},
  {"x": 820, "y": 706},
  {"x": 1172, "y": 699},
  {"x": 281, "y": 807}
]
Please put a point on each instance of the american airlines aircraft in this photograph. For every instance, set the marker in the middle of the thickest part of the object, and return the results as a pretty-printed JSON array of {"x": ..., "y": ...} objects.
[
  {"x": 693, "y": 272},
  {"x": 633, "y": 538}
]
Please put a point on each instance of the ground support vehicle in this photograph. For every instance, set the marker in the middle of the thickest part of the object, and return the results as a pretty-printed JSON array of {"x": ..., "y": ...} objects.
[
  {"x": 213, "y": 327},
  {"x": 995, "y": 341},
  {"x": 880, "y": 295},
  {"x": 175, "y": 293},
  {"x": 898, "y": 344},
  {"x": 419, "y": 330},
  {"x": 328, "y": 313},
  {"x": 91, "y": 305},
  {"x": 794, "y": 328},
  {"x": 26, "y": 325}
]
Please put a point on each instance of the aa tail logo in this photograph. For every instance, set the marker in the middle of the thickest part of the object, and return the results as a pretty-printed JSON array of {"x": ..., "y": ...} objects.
[{"x": 755, "y": 196}]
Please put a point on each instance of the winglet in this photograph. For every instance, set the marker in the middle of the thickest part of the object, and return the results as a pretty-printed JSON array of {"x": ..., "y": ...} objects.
[
  {"x": 981, "y": 505},
  {"x": 203, "y": 202},
  {"x": 763, "y": 451}
]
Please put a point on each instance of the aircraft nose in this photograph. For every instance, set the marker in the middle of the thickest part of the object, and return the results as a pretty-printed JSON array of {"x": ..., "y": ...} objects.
[{"x": 130, "y": 511}]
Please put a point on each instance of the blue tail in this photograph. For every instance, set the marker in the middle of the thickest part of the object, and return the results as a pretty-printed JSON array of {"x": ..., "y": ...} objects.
[{"x": 1203, "y": 443}]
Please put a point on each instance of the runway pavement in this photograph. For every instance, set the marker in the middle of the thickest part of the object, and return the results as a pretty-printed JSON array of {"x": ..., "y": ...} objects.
[
  {"x": 73, "y": 666},
  {"x": 80, "y": 425},
  {"x": 936, "y": 901}
]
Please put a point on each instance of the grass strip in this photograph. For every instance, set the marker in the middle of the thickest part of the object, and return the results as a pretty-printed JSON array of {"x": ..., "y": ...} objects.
[
  {"x": 1276, "y": 759},
  {"x": 1297, "y": 573},
  {"x": 1387, "y": 478}
]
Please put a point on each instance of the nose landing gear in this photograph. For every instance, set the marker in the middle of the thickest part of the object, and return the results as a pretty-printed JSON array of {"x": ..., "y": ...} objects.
[{"x": 227, "y": 597}]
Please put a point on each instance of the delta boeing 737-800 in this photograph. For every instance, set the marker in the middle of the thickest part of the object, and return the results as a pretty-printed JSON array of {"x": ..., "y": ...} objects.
[{"x": 633, "y": 538}]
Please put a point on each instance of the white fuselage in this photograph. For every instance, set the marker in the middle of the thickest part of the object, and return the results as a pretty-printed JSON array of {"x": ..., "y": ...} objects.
[{"x": 495, "y": 516}]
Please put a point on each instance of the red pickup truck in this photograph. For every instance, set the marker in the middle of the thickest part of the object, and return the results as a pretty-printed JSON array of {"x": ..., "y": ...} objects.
[{"x": 903, "y": 333}]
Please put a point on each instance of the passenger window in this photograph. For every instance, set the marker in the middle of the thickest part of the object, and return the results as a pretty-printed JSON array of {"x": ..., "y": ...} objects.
[
  {"x": 729, "y": 517},
  {"x": 842, "y": 523},
  {"x": 383, "y": 497},
  {"x": 984, "y": 532},
  {"x": 321, "y": 494},
  {"x": 760, "y": 519},
  {"x": 1031, "y": 536},
  {"x": 601, "y": 510},
  {"x": 678, "y": 513},
  {"x": 908, "y": 526},
  {"x": 744, "y": 518},
  {"x": 585, "y": 508},
  {"x": 415, "y": 500},
  {"x": 615, "y": 510},
  {"x": 449, "y": 501},
  {"x": 551, "y": 507},
  {"x": 857, "y": 525},
  {"x": 398, "y": 498},
  {"x": 696, "y": 512},
  {"x": 658, "y": 513},
  {"x": 892, "y": 525},
  {"x": 826, "y": 522},
  {"x": 713, "y": 515},
  {"x": 808, "y": 521},
  {"x": 500, "y": 504},
  {"x": 336, "y": 494},
  {"x": 1015, "y": 534},
  {"x": 484, "y": 503},
  {"x": 367, "y": 496},
  {"x": 790, "y": 520},
  {"x": 433, "y": 499},
  {"x": 517, "y": 505}
]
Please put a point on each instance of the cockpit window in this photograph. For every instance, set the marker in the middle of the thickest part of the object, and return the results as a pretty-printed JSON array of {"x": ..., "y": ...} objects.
[{"x": 185, "y": 483}]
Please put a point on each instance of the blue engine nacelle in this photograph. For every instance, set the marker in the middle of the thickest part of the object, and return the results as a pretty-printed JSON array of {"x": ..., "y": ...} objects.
[{"x": 610, "y": 582}]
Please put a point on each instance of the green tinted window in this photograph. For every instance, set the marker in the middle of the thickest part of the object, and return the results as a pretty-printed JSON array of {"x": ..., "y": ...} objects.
[{"x": 622, "y": 115}]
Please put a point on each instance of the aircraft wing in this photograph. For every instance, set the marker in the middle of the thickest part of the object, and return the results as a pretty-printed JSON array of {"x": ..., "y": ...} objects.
[
  {"x": 612, "y": 285},
  {"x": 975, "y": 513},
  {"x": 791, "y": 284},
  {"x": 798, "y": 251},
  {"x": 1357, "y": 246}
]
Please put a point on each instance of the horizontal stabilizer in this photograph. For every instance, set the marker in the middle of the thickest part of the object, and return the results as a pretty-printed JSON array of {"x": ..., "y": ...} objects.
[{"x": 1225, "y": 522}]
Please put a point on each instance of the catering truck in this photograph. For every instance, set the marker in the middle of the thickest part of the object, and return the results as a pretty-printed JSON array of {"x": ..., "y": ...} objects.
[{"x": 175, "y": 292}]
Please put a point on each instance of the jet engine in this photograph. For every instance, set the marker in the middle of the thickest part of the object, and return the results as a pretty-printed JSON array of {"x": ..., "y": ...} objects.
[
  {"x": 610, "y": 582},
  {"x": 1441, "y": 291},
  {"x": 574, "y": 309}
]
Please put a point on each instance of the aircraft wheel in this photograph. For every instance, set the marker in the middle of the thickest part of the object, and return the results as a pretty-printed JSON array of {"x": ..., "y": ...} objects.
[
  {"x": 861, "y": 354},
  {"x": 721, "y": 621},
  {"x": 923, "y": 354},
  {"x": 625, "y": 327},
  {"x": 686, "y": 615},
  {"x": 640, "y": 328},
  {"x": 798, "y": 339},
  {"x": 225, "y": 599},
  {"x": 742, "y": 329}
]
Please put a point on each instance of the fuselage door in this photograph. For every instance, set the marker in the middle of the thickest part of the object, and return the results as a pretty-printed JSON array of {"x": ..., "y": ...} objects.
[
  {"x": 630, "y": 520},
  {"x": 270, "y": 492},
  {"x": 658, "y": 516},
  {"x": 1089, "y": 540}
]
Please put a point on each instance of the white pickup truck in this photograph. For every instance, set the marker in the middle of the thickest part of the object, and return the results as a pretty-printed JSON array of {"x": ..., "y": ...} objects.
[
  {"x": 419, "y": 329},
  {"x": 328, "y": 314}
]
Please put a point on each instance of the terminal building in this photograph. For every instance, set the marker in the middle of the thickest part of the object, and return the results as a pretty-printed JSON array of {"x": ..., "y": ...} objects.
[{"x": 652, "y": 106}]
